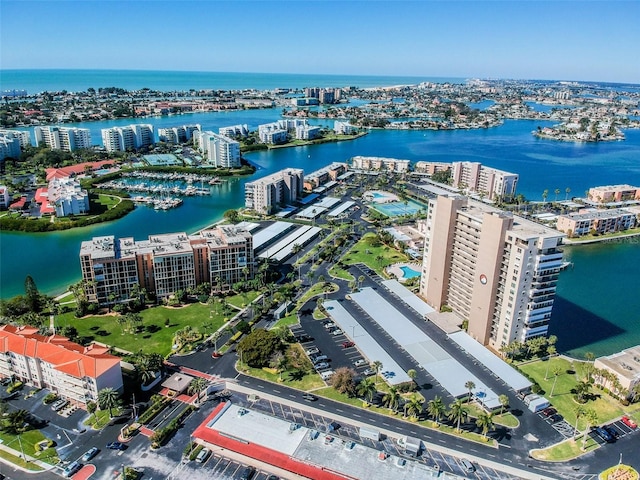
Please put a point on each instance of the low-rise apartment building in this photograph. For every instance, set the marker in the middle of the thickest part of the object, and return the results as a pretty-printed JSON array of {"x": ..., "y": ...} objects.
[
  {"x": 588, "y": 221},
  {"x": 323, "y": 175},
  {"x": 234, "y": 131},
  {"x": 74, "y": 372},
  {"x": 431, "y": 167},
  {"x": 266, "y": 194},
  {"x": 475, "y": 177},
  {"x": 624, "y": 365},
  {"x": 344, "y": 128},
  {"x": 613, "y": 193},
  {"x": 494, "y": 269},
  {"x": 63, "y": 138},
  {"x": 166, "y": 263},
  {"x": 380, "y": 164}
]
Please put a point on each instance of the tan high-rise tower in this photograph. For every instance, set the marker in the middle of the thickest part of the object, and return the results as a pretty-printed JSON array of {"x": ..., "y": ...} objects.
[{"x": 494, "y": 269}]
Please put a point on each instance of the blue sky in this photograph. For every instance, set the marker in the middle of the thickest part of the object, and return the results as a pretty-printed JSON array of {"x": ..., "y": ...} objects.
[{"x": 564, "y": 40}]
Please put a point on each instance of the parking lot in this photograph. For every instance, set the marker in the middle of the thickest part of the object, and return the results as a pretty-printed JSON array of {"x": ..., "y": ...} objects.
[
  {"x": 618, "y": 429},
  {"x": 335, "y": 344},
  {"x": 217, "y": 466}
]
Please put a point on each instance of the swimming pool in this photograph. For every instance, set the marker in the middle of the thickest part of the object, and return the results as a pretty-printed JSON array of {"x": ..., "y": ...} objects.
[{"x": 408, "y": 272}]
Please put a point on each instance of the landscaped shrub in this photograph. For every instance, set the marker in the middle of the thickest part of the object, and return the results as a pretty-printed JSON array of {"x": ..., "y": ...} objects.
[
  {"x": 153, "y": 410},
  {"x": 50, "y": 398},
  {"x": 14, "y": 387}
]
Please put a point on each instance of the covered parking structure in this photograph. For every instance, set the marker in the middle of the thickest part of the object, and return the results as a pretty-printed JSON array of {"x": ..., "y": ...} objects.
[
  {"x": 447, "y": 371},
  {"x": 366, "y": 343},
  {"x": 408, "y": 297},
  {"x": 495, "y": 365}
]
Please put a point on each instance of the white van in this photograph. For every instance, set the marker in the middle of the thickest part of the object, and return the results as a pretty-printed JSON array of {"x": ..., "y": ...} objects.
[
  {"x": 203, "y": 455},
  {"x": 467, "y": 465},
  {"x": 326, "y": 375}
]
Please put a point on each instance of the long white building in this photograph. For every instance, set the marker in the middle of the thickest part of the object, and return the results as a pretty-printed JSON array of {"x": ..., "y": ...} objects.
[
  {"x": 267, "y": 193},
  {"x": 131, "y": 137},
  {"x": 180, "y": 134},
  {"x": 475, "y": 177},
  {"x": 380, "y": 163},
  {"x": 220, "y": 151},
  {"x": 67, "y": 197},
  {"x": 63, "y": 138},
  {"x": 496, "y": 270}
]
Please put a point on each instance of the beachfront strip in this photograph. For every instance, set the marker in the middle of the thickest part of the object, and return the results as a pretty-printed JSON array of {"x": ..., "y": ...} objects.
[
  {"x": 496, "y": 270},
  {"x": 165, "y": 263},
  {"x": 72, "y": 371}
]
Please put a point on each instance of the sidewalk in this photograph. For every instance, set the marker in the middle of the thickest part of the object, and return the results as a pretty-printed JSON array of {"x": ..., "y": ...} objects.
[{"x": 28, "y": 458}]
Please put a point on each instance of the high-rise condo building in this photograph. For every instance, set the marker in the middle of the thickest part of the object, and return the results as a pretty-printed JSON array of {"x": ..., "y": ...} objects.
[
  {"x": 267, "y": 193},
  {"x": 165, "y": 263},
  {"x": 221, "y": 151},
  {"x": 63, "y": 138},
  {"x": 494, "y": 184},
  {"x": 131, "y": 137},
  {"x": 496, "y": 270}
]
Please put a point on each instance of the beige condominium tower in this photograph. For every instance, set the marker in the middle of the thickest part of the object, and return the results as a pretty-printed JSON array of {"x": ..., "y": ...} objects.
[{"x": 494, "y": 269}]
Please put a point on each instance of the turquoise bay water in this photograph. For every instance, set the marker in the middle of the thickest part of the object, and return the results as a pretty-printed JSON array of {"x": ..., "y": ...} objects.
[
  {"x": 35, "y": 81},
  {"x": 598, "y": 300}
]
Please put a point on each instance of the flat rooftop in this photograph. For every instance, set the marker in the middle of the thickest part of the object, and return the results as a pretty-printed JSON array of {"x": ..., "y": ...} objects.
[{"x": 626, "y": 363}]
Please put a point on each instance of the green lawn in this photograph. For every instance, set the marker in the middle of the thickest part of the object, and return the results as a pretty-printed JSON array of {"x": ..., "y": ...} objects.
[
  {"x": 155, "y": 337},
  {"x": 374, "y": 256},
  {"x": 341, "y": 273},
  {"x": 606, "y": 407},
  {"x": 26, "y": 443},
  {"x": 565, "y": 450},
  {"x": 308, "y": 382},
  {"x": 286, "y": 321},
  {"x": 243, "y": 299}
]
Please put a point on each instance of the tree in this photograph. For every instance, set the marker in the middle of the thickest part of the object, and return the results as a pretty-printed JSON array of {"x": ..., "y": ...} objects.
[
  {"x": 485, "y": 422},
  {"x": 232, "y": 215},
  {"x": 377, "y": 366},
  {"x": 32, "y": 295},
  {"x": 197, "y": 386},
  {"x": 436, "y": 408},
  {"x": 367, "y": 389},
  {"x": 469, "y": 385},
  {"x": 581, "y": 390},
  {"x": 545, "y": 194},
  {"x": 504, "y": 402},
  {"x": 557, "y": 192},
  {"x": 412, "y": 374},
  {"x": 14, "y": 422},
  {"x": 391, "y": 399},
  {"x": 344, "y": 381},
  {"x": 567, "y": 191},
  {"x": 457, "y": 413},
  {"x": 556, "y": 372},
  {"x": 591, "y": 417},
  {"x": 579, "y": 411},
  {"x": 551, "y": 350},
  {"x": 258, "y": 346},
  {"x": 414, "y": 406},
  {"x": 108, "y": 398}
]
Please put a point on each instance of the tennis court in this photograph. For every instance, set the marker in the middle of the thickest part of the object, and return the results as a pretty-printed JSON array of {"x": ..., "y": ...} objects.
[{"x": 395, "y": 209}]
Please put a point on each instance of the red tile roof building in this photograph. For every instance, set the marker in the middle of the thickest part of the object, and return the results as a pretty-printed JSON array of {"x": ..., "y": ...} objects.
[{"x": 74, "y": 372}]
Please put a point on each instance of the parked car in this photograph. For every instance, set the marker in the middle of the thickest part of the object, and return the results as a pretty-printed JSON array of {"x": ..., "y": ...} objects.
[
  {"x": 603, "y": 434},
  {"x": 309, "y": 397},
  {"x": 247, "y": 473},
  {"x": 319, "y": 358},
  {"x": 59, "y": 405},
  {"x": 89, "y": 454},
  {"x": 347, "y": 344},
  {"x": 629, "y": 423},
  {"x": 326, "y": 322},
  {"x": 326, "y": 375},
  {"x": 312, "y": 350},
  {"x": 547, "y": 412},
  {"x": 369, "y": 371},
  {"x": 467, "y": 465},
  {"x": 555, "y": 418},
  {"x": 303, "y": 338},
  {"x": 203, "y": 455},
  {"x": 337, "y": 331},
  {"x": 116, "y": 446},
  {"x": 611, "y": 431},
  {"x": 360, "y": 362},
  {"x": 321, "y": 365},
  {"x": 329, "y": 325}
]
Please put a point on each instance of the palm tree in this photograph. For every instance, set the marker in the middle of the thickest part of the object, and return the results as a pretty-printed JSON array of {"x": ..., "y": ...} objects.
[
  {"x": 551, "y": 350},
  {"x": 504, "y": 402},
  {"x": 108, "y": 398},
  {"x": 391, "y": 399},
  {"x": 457, "y": 413},
  {"x": 581, "y": 390},
  {"x": 579, "y": 411},
  {"x": 545, "y": 194},
  {"x": 485, "y": 422},
  {"x": 377, "y": 366},
  {"x": 567, "y": 191},
  {"x": 556, "y": 372},
  {"x": 469, "y": 385},
  {"x": 367, "y": 389},
  {"x": 592, "y": 418},
  {"x": 197, "y": 386},
  {"x": 436, "y": 408},
  {"x": 282, "y": 365},
  {"x": 414, "y": 406},
  {"x": 557, "y": 192},
  {"x": 412, "y": 374}
]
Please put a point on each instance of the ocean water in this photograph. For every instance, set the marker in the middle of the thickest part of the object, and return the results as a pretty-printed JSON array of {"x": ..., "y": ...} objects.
[
  {"x": 598, "y": 303},
  {"x": 35, "y": 81}
]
